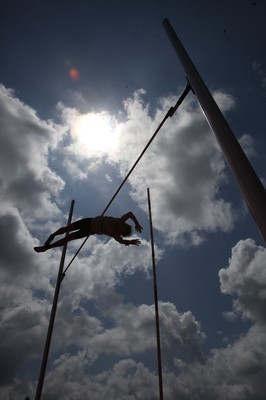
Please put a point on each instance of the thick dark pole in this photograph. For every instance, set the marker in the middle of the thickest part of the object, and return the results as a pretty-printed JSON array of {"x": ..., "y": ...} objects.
[
  {"x": 251, "y": 187},
  {"x": 156, "y": 303},
  {"x": 53, "y": 312}
]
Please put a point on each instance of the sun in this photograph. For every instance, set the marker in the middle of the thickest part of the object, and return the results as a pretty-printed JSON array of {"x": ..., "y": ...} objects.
[{"x": 94, "y": 133}]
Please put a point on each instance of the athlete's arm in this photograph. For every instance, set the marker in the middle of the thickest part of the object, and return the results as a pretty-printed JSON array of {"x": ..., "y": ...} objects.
[
  {"x": 130, "y": 215},
  {"x": 135, "y": 242}
]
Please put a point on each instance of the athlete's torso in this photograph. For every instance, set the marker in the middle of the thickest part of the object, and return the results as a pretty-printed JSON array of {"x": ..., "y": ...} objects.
[{"x": 105, "y": 225}]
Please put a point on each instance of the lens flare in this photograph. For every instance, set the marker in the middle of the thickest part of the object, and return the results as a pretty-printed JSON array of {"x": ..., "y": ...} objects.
[{"x": 74, "y": 74}]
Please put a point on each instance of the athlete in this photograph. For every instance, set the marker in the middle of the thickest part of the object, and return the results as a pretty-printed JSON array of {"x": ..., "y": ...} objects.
[{"x": 116, "y": 228}]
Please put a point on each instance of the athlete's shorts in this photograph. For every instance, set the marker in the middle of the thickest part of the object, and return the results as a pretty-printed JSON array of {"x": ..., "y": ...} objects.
[{"x": 84, "y": 228}]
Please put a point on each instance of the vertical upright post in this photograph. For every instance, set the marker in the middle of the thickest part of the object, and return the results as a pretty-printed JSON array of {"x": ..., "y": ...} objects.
[
  {"x": 53, "y": 312},
  {"x": 156, "y": 303},
  {"x": 251, "y": 187}
]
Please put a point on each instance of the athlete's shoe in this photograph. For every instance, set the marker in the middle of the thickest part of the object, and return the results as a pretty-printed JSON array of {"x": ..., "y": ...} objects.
[{"x": 40, "y": 249}]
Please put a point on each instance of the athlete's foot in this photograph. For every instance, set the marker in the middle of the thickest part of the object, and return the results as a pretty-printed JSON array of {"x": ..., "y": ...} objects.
[{"x": 40, "y": 249}]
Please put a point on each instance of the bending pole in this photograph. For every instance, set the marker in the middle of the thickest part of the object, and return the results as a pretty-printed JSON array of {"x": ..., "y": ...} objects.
[
  {"x": 250, "y": 185},
  {"x": 156, "y": 303},
  {"x": 53, "y": 312}
]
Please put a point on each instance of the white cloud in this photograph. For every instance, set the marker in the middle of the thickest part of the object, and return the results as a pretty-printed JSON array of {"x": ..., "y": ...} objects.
[
  {"x": 234, "y": 372},
  {"x": 247, "y": 143},
  {"x": 245, "y": 278},
  {"x": 127, "y": 380},
  {"x": 100, "y": 267},
  {"x": 27, "y": 186},
  {"x": 105, "y": 262},
  {"x": 26, "y": 181},
  {"x": 134, "y": 332}
]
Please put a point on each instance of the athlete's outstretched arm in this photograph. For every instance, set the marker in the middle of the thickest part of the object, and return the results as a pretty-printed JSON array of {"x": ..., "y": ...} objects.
[
  {"x": 134, "y": 242},
  {"x": 131, "y": 216}
]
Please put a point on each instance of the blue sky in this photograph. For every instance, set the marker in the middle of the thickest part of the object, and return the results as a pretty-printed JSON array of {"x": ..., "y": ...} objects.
[{"x": 74, "y": 135}]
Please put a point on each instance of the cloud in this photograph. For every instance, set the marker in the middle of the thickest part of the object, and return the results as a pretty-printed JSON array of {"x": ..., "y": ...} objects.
[
  {"x": 247, "y": 143},
  {"x": 235, "y": 372},
  {"x": 245, "y": 278},
  {"x": 26, "y": 181},
  {"x": 16, "y": 244},
  {"x": 127, "y": 380},
  {"x": 133, "y": 331},
  {"x": 25, "y": 295},
  {"x": 27, "y": 187},
  {"x": 101, "y": 267},
  {"x": 106, "y": 262}
]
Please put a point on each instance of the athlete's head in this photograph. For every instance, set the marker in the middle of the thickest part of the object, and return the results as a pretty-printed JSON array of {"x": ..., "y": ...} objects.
[{"x": 126, "y": 230}]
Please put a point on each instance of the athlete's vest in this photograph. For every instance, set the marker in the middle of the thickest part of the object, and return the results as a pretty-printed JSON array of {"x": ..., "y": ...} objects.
[{"x": 103, "y": 224}]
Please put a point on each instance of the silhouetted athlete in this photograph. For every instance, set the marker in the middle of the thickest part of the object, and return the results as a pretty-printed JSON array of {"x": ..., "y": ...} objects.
[{"x": 116, "y": 228}]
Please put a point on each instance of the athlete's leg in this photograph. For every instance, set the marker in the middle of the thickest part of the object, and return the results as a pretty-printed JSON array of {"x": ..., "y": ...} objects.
[
  {"x": 60, "y": 242},
  {"x": 64, "y": 229},
  {"x": 66, "y": 239}
]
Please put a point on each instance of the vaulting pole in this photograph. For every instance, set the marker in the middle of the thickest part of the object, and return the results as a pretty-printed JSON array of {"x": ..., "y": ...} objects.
[
  {"x": 156, "y": 303},
  {"x": 53, "y": 312},
  {"x": 251, "y": 187}
]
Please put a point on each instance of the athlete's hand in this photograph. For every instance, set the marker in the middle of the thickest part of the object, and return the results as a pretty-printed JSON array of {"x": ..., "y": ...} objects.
[
  {"x": 138, "y": 228},
  {"x": 135, "y": 242}
]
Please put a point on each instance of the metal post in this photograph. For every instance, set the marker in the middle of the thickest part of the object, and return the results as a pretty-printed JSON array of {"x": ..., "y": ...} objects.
[
  {"x": 53, "y": 312},
  {"x": 251, "y": 187},
  {"x": 156, "y": 303}
]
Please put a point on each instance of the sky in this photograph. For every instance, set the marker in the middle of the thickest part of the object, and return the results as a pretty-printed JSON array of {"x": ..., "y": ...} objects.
[{"x": 83, "y": 86}]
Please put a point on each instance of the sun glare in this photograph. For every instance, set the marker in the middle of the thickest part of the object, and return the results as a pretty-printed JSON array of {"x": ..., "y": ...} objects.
[{"x": 94, "y": 133}]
